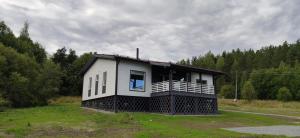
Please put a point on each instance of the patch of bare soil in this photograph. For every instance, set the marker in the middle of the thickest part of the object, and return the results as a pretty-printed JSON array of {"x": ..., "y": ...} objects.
[
  {"x": 59, "y": 131},
  {"x": 87, "y": 112},
  {"x": 5, "y": 135},
  {"x": 86, "y": 131},
  {"x": 119, "y": 132},
  {"x": 288, "y": 119},
  {"x": 213, "y": 124}
]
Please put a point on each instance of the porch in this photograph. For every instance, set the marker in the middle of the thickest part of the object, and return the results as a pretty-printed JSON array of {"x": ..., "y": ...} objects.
[
  {"x": 179, "y": 78},
  {"x": 178, "y": 89}
]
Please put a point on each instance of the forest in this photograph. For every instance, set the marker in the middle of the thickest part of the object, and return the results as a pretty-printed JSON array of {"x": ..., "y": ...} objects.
[
  {"x": 272, "y": 72},
  {"x": 29, "y": 76}
]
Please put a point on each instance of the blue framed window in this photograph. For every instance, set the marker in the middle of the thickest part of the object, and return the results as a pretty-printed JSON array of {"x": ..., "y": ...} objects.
[{"x": 137, "y": 81}]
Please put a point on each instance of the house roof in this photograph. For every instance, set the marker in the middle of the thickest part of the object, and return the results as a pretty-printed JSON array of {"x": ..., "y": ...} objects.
[{"x": 151, "y": 62}]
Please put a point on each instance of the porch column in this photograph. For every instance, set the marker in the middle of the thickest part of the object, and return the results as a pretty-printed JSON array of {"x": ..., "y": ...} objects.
[
  {"x": 115, "y": 97},
  {"x": 200, "y": 77},
  {"x": 172, "y": 98},
  {"x": 215, "y": 91},
  {"x": 170, "y": 80},
  {"x": 187, "y": 75},
  {"x": 214, "y": 84}
]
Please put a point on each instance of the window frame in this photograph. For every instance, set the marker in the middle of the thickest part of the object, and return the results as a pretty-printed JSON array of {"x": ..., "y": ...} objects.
[
  {"x": 144, "y": 90},
  {"x": 104, "y": 82},
  {"x": 90, "y": 86},
  {"x": 97, "y": 84}
]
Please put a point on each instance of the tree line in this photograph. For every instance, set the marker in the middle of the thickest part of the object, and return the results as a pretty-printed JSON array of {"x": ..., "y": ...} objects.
[
  {"x": 266, "y": 71},
  {"x": 29, "y": 76}
]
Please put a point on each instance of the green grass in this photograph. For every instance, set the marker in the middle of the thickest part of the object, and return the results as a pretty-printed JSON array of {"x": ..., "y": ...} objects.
[{"x": 65, "y": 118}]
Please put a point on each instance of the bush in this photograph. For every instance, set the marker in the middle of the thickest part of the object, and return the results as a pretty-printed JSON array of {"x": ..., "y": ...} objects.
[
  {"x": 248, "y": 91},
  {"x": 227, "y": 91},
  {"x": 19, "y": 94},
  {"x": 24, "y": 82},
  {"x": 284, "y": 94},
  {"x": 297, "y": 96},
  {"x": 3, "y": 104}
]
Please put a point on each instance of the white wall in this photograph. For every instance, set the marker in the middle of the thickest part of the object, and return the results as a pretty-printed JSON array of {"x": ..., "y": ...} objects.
[
  {"x": 194, "y": 77},
  {"x": 209, "y": 78},
  {"x": 124, "y": 77},
  {"x": 99, "y": 67}
]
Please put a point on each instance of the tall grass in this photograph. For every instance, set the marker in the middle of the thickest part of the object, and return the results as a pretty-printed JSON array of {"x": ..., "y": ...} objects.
[
  {"x": 262, "y": 106},
  {"x": 66, "y": 99},
  {"x": 260, "y": 103}
]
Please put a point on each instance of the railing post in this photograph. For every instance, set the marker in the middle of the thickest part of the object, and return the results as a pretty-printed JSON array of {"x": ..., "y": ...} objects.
[
  {"x": 187, "y": 86},
  {"x": 201, "y": 87},
  {"x": 171, "y": 80},
  {"x": 214, "y": 84}
]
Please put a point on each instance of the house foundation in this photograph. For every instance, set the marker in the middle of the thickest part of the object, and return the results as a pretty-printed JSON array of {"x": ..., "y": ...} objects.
[{"x": 164, "y": 102}]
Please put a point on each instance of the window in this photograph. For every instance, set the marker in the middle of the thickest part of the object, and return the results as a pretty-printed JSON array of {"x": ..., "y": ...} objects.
[
  {"x": 104, "y": 82},
  {"x": 204, "y": 82},
  {"x": 137, "y": 81},
  {"x": 90, "y": 87},
  {"x": 96, "y": 84}
]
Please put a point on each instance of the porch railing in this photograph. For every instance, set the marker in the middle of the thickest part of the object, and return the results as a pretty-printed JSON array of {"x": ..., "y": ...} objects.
[{"x": 183, "y": 86}]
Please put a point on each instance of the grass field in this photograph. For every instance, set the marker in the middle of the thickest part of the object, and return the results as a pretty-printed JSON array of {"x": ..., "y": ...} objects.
[
  {"x": 64, "y": 118},
  {"x": 262, "y": 106}
]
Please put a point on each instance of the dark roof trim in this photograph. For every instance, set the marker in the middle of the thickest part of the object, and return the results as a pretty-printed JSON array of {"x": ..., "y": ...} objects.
[
  {"x": 153, "y": 63},
  {"x": 196, "y": 69}
]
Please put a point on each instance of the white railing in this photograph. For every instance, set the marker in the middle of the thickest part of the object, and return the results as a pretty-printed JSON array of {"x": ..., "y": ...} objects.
[
  {"x": 160, "y": 86},
  {"x": 183, "y": 86}
]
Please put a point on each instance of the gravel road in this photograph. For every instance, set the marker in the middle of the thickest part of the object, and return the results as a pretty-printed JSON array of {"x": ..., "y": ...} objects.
[{"x": 291, "y": 131}]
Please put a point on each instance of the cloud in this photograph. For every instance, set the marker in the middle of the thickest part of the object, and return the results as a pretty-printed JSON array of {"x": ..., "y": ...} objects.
[{"x": 163, "y": 30}]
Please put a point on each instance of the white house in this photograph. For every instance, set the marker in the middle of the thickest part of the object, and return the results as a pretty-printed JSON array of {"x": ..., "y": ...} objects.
[{"x": 118, "y": 83}]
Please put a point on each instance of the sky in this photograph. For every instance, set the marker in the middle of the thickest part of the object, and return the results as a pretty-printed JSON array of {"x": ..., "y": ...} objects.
[{"x": 164, "y": 30}]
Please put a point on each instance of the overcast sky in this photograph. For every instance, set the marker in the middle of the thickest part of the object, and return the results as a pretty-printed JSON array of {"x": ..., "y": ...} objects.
[{"x": 162, "y": 29}]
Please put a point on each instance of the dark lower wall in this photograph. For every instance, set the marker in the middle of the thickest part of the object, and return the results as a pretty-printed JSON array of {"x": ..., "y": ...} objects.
[
  {"x": 104, "y": 103},
  {"x": 124, "y": 103},
  {"x": 160, "y": 104},
  {"x": 170, "y": 104},
  {"x": 133, "y": 104},
  {"x": 195, "y": 105}
]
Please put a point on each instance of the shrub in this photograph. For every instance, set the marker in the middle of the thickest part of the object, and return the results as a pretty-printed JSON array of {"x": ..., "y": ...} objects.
[
  {"x": 284, "y": 94},
  {"x": 3, "y": 104},
  {"x": 227, "y": 91},
  {"x": 24, "y": 82},
  {"x": 297, "y": 96},
  {"x": 248, "y": 91}
]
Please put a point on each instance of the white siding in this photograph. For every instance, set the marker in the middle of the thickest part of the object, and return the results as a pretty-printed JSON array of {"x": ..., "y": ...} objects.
[
  {"x": 100, "y": 66},
  {"x": 124, "y": 77},
  {"x": 208, "y": 78}
]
